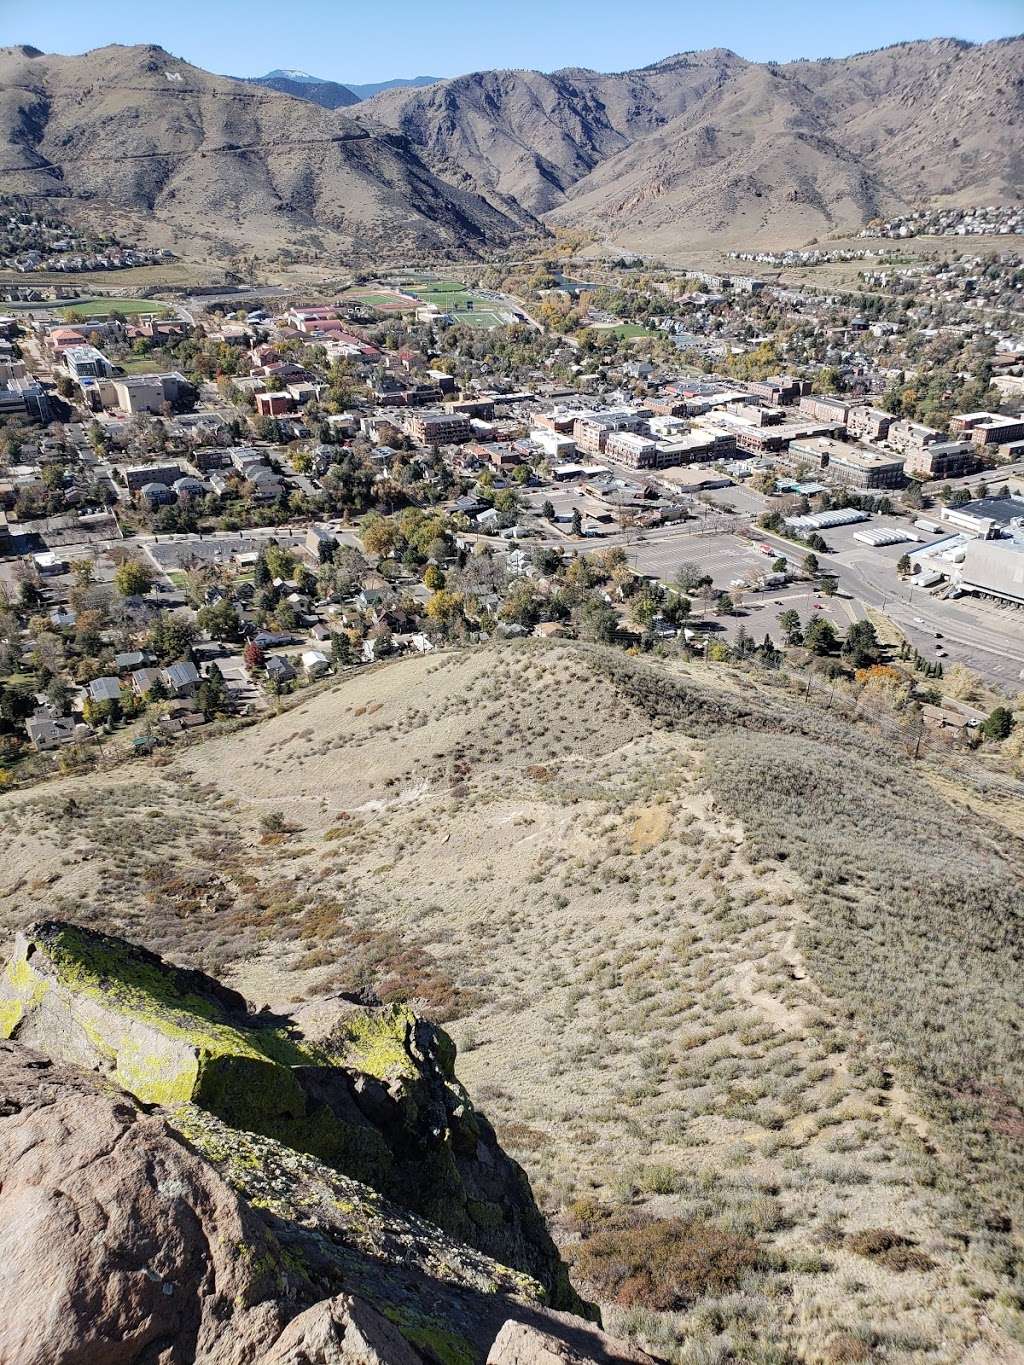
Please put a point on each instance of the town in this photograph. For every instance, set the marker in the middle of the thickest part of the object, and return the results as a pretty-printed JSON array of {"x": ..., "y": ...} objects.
[{"x": 213, "y": 501}]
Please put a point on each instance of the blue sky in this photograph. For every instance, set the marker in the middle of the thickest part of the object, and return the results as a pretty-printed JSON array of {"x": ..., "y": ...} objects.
[{"x": 366, "y": 41}]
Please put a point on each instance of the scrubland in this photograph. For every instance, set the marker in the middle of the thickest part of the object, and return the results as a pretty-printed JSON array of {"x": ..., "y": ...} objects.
[{"x": 738, "y": 987}]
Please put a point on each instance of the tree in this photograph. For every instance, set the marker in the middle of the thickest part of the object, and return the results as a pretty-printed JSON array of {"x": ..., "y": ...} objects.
[
  {"x": 171, "y": 637},
  {"x": 904, "y": 567},
  {"x": 861, "y": 644},
  {"x": 133, "y": 578},
  {"x": 577, "y": 522},
  {"x": 780, "y": 565},
  {"x": 690, "y": 576},
  {"x": 433, "y": 578},
  {"x": 212, "y": 694},
  {"x": 597, "y": 620},
  {"x": 820, "y": 635},
  {"x": 547, "y": 510},
  {"x": 789, "y": 621},
  {"x": 810, "y": 565},
  {"x": 254, "y": 656},
  {"x": 379, "y": 535},
  {"x": 341, "y": 649},
  {"x": 998, "y": 724},
  {"x": 219, "y": 620},
  {"x": 815, "y": 542}
]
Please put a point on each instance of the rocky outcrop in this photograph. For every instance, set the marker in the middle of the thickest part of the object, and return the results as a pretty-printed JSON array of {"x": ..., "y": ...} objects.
[
  {"x": 519, "y": 1343},
  {"x": 340, "y": 1331},
  {"x": 182, "y": 1179},
  {"x": 372, "y": 1093},
  {"x": 118, "y": 1243}
]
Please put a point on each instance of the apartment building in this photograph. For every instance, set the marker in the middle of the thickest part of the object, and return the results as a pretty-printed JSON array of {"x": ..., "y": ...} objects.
[
  {"x": 906, "y": 436},
  {"x": 988, "y": 428},
  {"x": 941, "y": 460},
  {"x": 835, "y": 410},
  {"x": 429, "y": 428},
  {"x": 865, "y": 423},
  {"x": 780, "y": 389}
]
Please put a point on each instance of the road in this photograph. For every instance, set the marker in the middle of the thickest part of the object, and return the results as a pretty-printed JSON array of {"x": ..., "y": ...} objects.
[{"x": 986, "y": 638}]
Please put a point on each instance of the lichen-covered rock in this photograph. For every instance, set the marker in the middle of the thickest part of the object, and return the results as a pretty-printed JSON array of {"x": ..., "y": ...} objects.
[
  {"x": 371, "y": 1092},
  {"x": 342, "y": 1235},
  {"x": 169, "y": 1238}
]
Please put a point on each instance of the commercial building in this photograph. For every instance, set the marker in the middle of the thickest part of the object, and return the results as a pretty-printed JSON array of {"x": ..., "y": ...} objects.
[
  {"x": 987, "y": 518},
  {"x": 852, "y": 465},
  {"x": 632, "y": 449},
  {"x": 86, "y": 361},
  {"x": 591, "y": 429},
  {"x": 993, "y": 568}
]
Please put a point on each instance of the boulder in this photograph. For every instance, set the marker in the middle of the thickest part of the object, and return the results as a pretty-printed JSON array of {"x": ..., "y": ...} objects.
[
  {"x": 118, "y": 1244},
  {"x": 522, "y": 1343},
  {"x": 340, "y": 1331}
]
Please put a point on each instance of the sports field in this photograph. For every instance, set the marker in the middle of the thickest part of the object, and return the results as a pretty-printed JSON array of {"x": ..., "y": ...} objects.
[{"x": 375, "y": 299}]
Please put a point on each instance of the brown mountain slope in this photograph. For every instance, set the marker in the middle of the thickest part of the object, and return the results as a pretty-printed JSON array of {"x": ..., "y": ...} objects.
[
  {"x": 215, "y": 164},
  {"x": 706, "y": 146},
  {"x": 533, "y": 135}
]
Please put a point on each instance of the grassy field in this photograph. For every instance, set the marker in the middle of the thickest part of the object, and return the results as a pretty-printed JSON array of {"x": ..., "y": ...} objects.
[
  {"x": 711, "y": 994},
  {"x": 97, "y": 307},
  {"x": 172, "y": 275},
  {"x": 143, "y": 364},
  {"x": 626, "y": 331}
]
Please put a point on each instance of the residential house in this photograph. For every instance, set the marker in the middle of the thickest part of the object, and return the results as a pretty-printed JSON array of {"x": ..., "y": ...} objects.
[{"x": 181, "y": 679}]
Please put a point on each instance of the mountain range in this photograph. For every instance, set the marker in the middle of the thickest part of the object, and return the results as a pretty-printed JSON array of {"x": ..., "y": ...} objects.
[
  {"x": 703, "y": 149},
  {"x": 330, "y": 94}
]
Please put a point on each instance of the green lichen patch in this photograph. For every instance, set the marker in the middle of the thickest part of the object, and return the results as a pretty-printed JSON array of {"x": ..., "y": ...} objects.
[{"x": 376, "y": 1043}]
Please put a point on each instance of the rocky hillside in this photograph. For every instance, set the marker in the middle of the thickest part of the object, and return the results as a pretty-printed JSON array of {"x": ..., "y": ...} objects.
[
  {"x": 210, "y": 165},
  {"x": 184, "y": 1180},
  {"x": 738, "y": 988},
  {"x": 706, "y": 148}
]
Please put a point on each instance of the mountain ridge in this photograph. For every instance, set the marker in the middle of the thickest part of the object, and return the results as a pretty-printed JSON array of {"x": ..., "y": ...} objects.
[{"x": 702, "y": 149}]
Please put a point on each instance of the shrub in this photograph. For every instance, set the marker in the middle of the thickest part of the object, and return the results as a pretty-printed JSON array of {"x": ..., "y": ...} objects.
[
  {"x": 664, "y": 1263},
  {"x": 889, "y": 1249}
]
